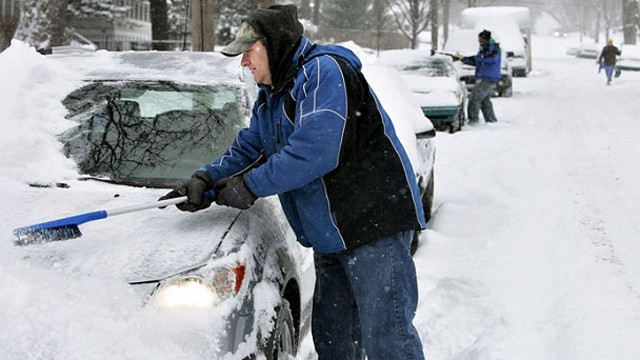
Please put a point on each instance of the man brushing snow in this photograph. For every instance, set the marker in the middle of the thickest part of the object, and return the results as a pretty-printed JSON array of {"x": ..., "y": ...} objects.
[
  {"x": 487, "y": 63},
  {"x": 321, "y": 141}
]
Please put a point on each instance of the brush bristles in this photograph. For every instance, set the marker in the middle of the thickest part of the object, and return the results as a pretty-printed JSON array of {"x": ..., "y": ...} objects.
[{"x": 28, "y": 236}]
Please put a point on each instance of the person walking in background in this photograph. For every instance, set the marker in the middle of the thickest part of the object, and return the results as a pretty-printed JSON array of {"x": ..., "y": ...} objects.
[
  {"x": 320, "y": 140},
  {"x": 607, "y": 59},
  {"x": 487, "y": 63}
]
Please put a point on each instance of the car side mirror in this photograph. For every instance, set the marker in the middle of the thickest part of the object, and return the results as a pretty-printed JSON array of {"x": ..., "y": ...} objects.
[{"x": 429, "y": 134}]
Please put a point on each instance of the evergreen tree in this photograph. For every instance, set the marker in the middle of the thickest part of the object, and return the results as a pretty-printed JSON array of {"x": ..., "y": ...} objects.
[
  {"x": 92, "y": 9},
  {"x": 231, "y": 14},
  {"x": 347, "y": 14},
  {"x": 42, "y": 23},
  {"x": 179, "y": 18}
]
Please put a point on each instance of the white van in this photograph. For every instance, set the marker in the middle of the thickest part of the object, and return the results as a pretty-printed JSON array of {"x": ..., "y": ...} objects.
[{"x": 510, "y": 26}]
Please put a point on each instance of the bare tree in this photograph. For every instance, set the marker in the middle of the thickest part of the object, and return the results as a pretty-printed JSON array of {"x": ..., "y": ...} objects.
[
  {"x": 412, "y": 17},
  {"x": 433, "y": 19},
  {"x": 630, "y": 24},
  {"x": 445, "y": 19}
]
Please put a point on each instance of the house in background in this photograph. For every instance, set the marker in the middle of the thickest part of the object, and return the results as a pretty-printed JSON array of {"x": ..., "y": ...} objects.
[{"x": 132, "y": 32}]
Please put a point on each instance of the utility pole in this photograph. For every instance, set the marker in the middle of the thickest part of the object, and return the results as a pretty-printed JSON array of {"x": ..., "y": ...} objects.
[
  {"x": 581, "y": 19},
  {"x": 202, "y": 32},
  {"x": 445, "y": 21}
]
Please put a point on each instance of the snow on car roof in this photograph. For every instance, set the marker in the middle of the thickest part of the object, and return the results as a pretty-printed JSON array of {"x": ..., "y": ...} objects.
[{"x": 192, "y": 67}]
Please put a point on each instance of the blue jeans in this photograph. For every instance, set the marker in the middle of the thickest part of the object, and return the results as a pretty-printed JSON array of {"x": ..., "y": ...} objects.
[
  {"x": 480, "y": 99},
  {"x": 608, "y": 69},
  {"x": 365, "y": 301}
]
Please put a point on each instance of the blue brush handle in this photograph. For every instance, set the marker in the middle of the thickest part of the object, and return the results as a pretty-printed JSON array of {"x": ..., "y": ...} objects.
[
  {"x": 102, "y": 214},
  {"x": 210, "y": 195},
  {"x": 71, "y": 220}
]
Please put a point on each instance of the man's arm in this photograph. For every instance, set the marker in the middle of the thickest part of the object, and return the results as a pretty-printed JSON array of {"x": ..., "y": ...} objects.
[
  {"x": 469, "y": 60},
  {"x": 313, "y": 148}
]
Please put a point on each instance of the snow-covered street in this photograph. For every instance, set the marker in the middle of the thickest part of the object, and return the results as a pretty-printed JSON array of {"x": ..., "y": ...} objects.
[{"x": 533, "y": 250}]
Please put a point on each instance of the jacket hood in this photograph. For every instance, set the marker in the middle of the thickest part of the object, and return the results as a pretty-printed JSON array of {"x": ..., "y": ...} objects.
[
  {"x": 305, "y": 52},
  {"x": 280, "y": 32},
  {"x": 315, "y": 50}
]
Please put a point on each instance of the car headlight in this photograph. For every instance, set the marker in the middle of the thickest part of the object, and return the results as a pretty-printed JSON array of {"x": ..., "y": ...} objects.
[
  {"x": 193, "y": 292},
  {"x": 186, "y": 292}
]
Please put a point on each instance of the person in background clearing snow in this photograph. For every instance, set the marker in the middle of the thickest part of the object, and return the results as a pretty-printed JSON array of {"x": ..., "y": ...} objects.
[
  {"x": 321, "y": 141},
  {"x": 608, "y": 54},
  {"x": 487, "y": 63}
]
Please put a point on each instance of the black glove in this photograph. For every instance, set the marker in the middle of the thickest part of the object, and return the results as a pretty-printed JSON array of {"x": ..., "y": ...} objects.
[
  {"x": 233, "y": 192},
  {"x": 194, "y": 189}
]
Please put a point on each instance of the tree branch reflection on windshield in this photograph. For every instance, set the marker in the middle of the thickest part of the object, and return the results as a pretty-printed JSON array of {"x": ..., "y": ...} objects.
[{"x": 151, "y": 130}]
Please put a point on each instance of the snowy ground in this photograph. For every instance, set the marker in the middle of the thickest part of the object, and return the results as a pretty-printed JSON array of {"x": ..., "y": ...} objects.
[{"x": 532, "y": 252}]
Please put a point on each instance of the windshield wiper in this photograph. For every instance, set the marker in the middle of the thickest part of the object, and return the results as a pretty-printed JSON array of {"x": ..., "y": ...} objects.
[{"x": 158, "y": 183}]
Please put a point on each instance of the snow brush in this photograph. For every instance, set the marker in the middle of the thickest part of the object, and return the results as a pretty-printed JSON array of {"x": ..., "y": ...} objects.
[{"x": 67, "y": 228}]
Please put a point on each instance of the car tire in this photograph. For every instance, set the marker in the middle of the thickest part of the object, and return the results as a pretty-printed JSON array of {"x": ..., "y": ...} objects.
[
  {"x": 282, "y": 344},
  {"x": 427, "y": 206},
  {"x": 427, "y": 197},
  {"x": 507, "y": 92}
]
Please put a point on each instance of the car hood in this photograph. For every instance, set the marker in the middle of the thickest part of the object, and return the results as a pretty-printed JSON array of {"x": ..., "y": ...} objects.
[{"x": 142, "y": 246}]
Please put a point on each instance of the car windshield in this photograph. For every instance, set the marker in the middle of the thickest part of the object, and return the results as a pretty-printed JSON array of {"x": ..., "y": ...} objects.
[
  {"x": 433, "y": 68},
  {"x": 150, "y": 129}
]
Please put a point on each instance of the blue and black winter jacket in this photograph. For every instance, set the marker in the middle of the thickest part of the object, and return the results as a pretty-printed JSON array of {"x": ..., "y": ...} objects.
[
  {"x": 323, "y": 143},
  {"x": 487, "y": 62}
]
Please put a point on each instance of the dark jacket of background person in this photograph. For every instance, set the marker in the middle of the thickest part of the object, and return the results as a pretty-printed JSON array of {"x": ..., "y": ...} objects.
[
  {"x": 608, "y": 54},
  {"x": 487, "y": 61}
]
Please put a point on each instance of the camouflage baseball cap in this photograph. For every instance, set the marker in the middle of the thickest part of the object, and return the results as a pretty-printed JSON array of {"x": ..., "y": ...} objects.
[{"x": 245, "y": 37}]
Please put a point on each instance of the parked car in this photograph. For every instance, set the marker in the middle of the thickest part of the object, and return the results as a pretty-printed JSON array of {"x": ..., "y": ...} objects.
[
  {"x": 465, "y": 42},
  {"x": 142, "y": 121},
  {"x": 588, "y": 51},
  {"x": 435, "y": 83},
  {"x": 629, "y": 59}
]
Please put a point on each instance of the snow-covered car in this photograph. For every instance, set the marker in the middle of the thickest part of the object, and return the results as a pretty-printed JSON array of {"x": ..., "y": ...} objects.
[
  {"x": 217, "y": 284},
  {"x": 629, "y": 59},
  {"x": 436, "y": 85},
  {"x": 588, "y": 51},
  {"x": 144, "y": 121}
]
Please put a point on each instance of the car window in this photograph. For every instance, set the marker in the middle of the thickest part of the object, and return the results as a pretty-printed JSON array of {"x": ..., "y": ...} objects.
[{"x": 150, "y": 130}]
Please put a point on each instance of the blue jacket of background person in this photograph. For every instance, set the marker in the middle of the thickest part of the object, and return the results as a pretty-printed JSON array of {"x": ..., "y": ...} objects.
[
  {"x": 341, "y": 173},
  {"x": 487, "y": 61}
]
